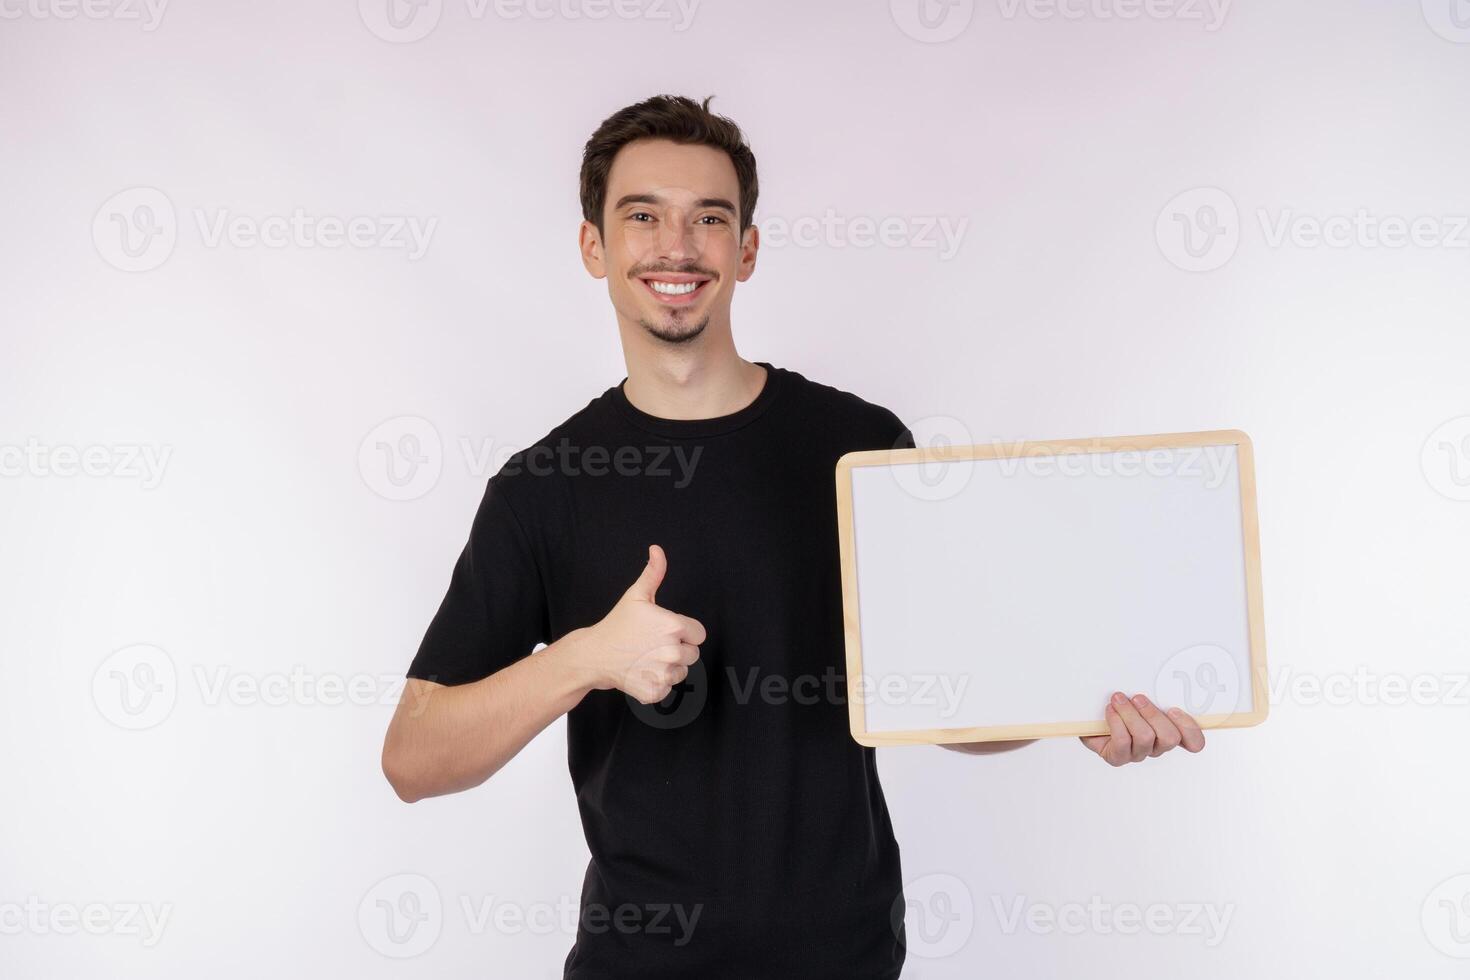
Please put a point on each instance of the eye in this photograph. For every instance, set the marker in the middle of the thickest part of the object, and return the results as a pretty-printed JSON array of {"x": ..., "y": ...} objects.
[
  {"x": 714, "y": 217},
  {"x": 640, "y": 214}
]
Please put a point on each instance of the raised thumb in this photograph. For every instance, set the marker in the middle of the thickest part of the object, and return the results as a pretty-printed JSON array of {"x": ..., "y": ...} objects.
[{"x": 653, "y": 574}]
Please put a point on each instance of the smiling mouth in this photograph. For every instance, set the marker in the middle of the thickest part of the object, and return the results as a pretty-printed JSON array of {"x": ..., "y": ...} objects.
[{"x": 675, "y": 290}]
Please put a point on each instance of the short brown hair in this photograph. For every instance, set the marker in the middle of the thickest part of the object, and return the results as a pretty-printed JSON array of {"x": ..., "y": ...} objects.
[{"x": 670, "y": 117}]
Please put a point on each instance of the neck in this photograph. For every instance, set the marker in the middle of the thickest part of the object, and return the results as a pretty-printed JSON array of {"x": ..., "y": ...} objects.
[{"x": 693, "y": 384}]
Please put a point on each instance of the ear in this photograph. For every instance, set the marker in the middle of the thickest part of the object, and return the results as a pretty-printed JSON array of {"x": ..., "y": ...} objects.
[
  {"x": 750, "y": 244},
  {"x": 589, "y": 242}
]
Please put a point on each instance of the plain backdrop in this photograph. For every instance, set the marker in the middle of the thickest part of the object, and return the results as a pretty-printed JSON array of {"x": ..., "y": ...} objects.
[{"x": 1162, "y": 217}]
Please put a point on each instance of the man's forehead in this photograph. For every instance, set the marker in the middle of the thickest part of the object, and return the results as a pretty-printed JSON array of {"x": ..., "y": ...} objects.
[{"x": 678, "y": 173}]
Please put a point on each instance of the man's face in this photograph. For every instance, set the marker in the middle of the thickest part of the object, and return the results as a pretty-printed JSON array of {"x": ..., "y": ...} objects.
[{"x": 671, "y": 247}]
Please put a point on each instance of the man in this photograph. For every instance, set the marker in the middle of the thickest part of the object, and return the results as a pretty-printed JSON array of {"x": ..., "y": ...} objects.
[{"x": 680, "y": 532}]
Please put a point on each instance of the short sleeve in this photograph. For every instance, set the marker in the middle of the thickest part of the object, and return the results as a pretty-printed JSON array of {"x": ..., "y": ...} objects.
[
  {"x": 495, "y": 610},
  {"x": 905, "y": 438}
]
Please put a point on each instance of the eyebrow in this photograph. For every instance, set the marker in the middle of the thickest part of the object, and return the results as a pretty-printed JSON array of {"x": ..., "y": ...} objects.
[{"x": 703, "y": 202}]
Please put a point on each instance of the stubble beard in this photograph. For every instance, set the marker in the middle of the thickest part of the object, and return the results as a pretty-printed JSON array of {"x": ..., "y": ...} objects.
[{"x": 676, "y": 331}]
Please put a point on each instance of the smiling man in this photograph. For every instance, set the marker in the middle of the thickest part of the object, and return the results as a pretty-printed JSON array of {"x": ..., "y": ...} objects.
[{"x": 735, "y": 831}]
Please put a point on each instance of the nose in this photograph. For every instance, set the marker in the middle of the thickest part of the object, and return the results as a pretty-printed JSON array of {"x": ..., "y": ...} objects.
[{"x": 676, "y": 240}]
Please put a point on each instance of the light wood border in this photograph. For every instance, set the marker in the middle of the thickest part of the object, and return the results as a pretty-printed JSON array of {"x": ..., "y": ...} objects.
[{"x": 1250, "y": 528}]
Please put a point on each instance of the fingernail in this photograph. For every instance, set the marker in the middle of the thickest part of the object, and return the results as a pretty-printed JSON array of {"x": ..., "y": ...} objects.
[
  {"x": 1175, "y": 712},
  {"x": 1118, "y": 697},
  {"x": 1140, "y": 700}
]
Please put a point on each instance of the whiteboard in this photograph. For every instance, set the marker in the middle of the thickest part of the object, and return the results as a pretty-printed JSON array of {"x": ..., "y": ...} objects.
[{"x": 1005, "y": 591}]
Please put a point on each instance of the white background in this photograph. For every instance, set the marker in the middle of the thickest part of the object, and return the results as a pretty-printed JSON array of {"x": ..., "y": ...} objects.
[{"x": 1329, "y": 836}]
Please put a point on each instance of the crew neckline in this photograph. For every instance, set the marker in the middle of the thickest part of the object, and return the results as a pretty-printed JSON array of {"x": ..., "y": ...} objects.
[{"x": 717, "y": 425}]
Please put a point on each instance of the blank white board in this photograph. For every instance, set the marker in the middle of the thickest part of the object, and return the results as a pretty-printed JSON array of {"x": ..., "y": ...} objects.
[{"x": 1005, "y": 591}]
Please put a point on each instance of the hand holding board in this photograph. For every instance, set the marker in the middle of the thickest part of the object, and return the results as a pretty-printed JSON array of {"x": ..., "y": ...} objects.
[{"x": 1006, "y": 591}]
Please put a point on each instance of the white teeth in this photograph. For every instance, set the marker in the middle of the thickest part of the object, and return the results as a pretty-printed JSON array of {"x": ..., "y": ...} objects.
[{"x": 673, "y": 288}]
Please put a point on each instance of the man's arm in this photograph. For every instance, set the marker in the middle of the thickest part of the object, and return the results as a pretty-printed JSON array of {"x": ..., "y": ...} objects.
[
  {"x": 444, "y": 739},
  {"x": 987, "y": 748}
]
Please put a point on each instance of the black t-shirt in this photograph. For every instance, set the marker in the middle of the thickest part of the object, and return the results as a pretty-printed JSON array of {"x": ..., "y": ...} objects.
[{"x": 736, "y": 830}]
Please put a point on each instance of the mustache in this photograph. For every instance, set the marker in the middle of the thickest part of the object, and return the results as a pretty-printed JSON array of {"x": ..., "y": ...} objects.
[{"x": 687, "y": 270}]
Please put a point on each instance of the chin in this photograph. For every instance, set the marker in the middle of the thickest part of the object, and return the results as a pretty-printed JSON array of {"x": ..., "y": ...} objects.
[{"x": 678, "y": 332}]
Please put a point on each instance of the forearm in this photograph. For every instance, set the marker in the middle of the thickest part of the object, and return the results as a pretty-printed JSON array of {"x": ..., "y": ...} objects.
[
  {"x": 444, "y": 739},
  {"x": 987, "y": 748}
]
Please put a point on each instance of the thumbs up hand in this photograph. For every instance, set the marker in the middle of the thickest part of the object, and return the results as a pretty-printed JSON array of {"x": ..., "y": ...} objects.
[{"x": 639, "y": 647}]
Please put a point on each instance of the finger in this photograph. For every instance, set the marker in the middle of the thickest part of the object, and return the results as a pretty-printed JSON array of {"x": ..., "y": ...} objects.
[
  {"x": 675, "y": 675},
  {"x": 648, "y": 581},
  {"x": 1138, "y": 729},
  {"x": 1099, "y": 743},
  {"x": 687, "y": 655},
  {"x": 1166, "y": 736},
  {"x": 653, "y": 692},
  {"x": 1118, "y": 748},
  {"x": 1189, "y": 731},
  {"x": 690, "y": 630}
]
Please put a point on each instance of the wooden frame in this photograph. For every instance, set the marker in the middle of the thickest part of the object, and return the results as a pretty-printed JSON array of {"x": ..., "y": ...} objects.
[{"x": 846, "y": 532}]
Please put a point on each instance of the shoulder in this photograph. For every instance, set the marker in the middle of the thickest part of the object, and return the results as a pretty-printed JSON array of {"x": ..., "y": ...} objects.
[
  {"x": 533, "y": 477},
  {"x": 875, "y": 425}
]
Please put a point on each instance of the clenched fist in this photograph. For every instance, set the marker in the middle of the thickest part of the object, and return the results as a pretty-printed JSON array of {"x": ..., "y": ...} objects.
[{"x": 640, "y": 648}]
